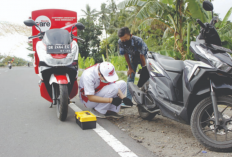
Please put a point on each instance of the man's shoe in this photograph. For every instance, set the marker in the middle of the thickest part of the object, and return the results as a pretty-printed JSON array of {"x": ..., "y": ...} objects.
[
  {"x": 113, "y": 114},
  {"x": 97, "y": 114},
  {"x": 125, "y": 106}
]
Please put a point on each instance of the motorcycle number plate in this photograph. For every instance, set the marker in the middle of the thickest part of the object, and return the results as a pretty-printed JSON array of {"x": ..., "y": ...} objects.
[{"x": 57, "y": 49}]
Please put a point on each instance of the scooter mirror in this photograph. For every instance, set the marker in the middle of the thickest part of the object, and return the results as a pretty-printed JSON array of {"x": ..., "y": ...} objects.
[
  {"x": 208, "y": 6},
  {"x": 29, "y": 23},
  {"x": 79, "y": 26}
]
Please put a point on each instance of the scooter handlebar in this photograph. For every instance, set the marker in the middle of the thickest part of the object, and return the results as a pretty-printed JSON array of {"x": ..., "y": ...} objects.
[{"x": 201, "y": 24}]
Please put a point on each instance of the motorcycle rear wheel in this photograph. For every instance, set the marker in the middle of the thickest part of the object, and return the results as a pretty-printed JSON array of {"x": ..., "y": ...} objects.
[
  {"x": 203, "y": 124},
  {"x": 144, "y": 114},
  {"x": 62, "y": 102}
]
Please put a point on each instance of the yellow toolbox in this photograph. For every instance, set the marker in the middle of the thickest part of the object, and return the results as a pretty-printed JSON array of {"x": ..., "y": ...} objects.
[{"x": 86, "y": 120}]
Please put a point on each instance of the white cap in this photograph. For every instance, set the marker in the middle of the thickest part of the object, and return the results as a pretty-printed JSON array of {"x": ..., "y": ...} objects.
[{"x": 108, "y": 71}]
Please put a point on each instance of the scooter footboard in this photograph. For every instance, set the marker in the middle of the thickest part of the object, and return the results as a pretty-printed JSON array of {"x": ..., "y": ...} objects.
[{"x": 136, "y": 93}]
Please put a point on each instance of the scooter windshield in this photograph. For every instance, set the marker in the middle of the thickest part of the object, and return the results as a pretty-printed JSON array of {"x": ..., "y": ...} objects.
[{"x": 56, "y": 36}]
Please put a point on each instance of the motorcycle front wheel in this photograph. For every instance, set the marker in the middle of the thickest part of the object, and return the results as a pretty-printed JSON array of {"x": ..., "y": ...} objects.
[
  {"x": 62, "y": 102},
  {"x": 203, "y": 124}
]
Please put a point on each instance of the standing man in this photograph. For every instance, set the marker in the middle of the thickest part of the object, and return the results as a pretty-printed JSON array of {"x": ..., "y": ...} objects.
[
  {"x": 134, "y": 49},
  {"x": 100, "y": 92}
]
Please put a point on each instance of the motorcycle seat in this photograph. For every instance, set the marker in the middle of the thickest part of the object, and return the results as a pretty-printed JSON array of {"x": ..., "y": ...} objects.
[{"x": 169, "y": 63}]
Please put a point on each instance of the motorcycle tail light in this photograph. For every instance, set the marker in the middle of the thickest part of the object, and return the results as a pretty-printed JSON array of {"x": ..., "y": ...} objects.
[
  {"x": 74, "y": 63},
  {"x": 59, "y": 56}
]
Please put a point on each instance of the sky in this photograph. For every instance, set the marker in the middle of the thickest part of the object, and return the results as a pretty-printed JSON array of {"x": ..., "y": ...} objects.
[{"x": 16, "y": 11}]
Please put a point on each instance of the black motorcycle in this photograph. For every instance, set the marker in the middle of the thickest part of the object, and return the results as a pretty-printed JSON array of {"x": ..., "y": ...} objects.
[{"x": 197, "y": 93}]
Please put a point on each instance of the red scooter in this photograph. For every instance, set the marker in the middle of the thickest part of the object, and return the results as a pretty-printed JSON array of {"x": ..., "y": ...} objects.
[{"x": 57, "y": 54}]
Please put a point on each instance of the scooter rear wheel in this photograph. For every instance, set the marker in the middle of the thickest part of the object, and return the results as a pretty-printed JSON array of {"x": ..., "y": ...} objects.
[
  {"x": 62, "y": 102},
  {"x": 144, "y": 114}
]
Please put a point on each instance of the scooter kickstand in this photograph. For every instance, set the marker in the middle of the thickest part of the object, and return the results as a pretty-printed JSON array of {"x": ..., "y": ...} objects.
[{"x": 51, "y": 105}]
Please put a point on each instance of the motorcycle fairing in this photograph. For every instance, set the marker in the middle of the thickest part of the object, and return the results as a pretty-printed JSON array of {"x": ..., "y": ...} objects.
[
  {"x": 155, "y": 69},
  {"x": 48, "y": 60},
  {"x": 48, "y": 71},
  {"x": 59, "y": 79},
  {"x": 162, "y": 82},
  {"x": 194, "y": 66}
]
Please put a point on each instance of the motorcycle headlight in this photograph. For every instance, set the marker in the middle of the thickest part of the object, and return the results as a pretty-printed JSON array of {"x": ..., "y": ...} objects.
[{"x": 214, "y": 60}]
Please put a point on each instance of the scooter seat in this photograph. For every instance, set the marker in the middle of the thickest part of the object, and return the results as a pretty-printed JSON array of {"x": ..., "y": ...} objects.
[{"x": 169, "y": 63}]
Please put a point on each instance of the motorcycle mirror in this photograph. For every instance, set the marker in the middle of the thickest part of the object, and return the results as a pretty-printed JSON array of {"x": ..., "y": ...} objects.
[
  {"x": 29, "y": 23},
  {"x": 79, "y": 26},
  {"x": 208, "y": 6}
]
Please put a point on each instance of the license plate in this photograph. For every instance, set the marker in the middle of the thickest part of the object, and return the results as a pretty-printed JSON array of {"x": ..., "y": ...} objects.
[{"x": 58, "y": 49}]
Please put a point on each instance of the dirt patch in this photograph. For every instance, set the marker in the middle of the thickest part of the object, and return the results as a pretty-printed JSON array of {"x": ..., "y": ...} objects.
[{"x": 162, "y": 136}]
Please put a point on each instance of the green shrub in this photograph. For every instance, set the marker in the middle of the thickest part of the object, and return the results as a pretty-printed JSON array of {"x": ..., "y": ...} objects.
[
  {"x": 85, "y": 63},
  {"x": 81, "y": 62},
  {"x": 119, "y": 63}
]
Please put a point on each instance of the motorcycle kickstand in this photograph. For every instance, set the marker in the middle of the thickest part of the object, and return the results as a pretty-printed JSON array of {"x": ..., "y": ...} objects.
[{"x": 51, "y": 105}]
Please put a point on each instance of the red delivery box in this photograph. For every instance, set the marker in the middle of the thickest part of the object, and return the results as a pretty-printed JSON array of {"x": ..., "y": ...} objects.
[{"x": 50, "y": 19}]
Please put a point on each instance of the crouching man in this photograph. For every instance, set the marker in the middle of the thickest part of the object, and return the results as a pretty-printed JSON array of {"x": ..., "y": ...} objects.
[{"x": 100, "y": 92}]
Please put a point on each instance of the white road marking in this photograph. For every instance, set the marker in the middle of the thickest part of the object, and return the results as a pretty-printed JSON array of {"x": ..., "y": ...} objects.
[{"x": 121, "y": 149}]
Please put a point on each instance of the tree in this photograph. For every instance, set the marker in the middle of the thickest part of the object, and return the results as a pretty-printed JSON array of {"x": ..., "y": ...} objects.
[
  {"x": 31, "y": 55},
  {"x": 104, "y": 19},
  {"x": 90, "y": 15},
  {"x": 174, "y": 14},
  {"x": 91, "y": 38},
  {"x": 225, "y": 30}
]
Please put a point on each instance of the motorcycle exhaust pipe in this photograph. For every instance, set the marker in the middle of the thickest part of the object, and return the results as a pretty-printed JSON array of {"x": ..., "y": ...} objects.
[{"x": 145, "y": 108}]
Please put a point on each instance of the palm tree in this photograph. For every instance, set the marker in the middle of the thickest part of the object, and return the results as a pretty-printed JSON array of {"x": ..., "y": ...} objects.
[
  {"x": 112, "y": 7},
  {"x": 104, "y": 19},
  {"x": 90, "y": 14}
]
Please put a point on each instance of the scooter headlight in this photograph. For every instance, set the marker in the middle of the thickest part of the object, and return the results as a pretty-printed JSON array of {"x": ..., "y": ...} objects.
[{"x": 214, "y": 60}]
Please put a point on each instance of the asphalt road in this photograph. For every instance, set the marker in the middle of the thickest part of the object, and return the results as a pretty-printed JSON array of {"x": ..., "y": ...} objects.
[{"x": 30, "y": 128}]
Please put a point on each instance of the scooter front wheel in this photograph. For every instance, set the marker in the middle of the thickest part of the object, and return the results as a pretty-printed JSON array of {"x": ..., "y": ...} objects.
[
  {"x": 215, "y": 138},
  {"x": 62, "y": 102}
]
